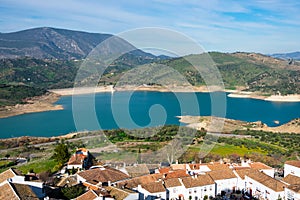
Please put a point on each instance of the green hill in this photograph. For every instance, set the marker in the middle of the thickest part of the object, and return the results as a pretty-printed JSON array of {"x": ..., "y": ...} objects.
[{"x": 253, "y": 72}]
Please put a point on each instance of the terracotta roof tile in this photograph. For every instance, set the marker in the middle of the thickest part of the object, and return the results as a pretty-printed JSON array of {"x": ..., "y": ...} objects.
[
  {"x": 89, "y": 195},
  {"x": 76, "y": 159},
  {"x": 24, "y": 191},
  {"x": 243, "y": 172},
  {"x": 6, "y": 175},
  {"x": 295, "y": 188},
  {"x": 222, "y": 174},
  {"x": 295, "y": 163},
  {"x": 178, "y": 166},
  {"x": 164, "y": 170},
  {"x": 195, "y": 166},
  {"x": 217, "y": 166},
  {"x": 138, "y": 170},
  {"x": 103, "y": 175},
  {"x": 154, "y": 187},
  {"x": 177, "y": 174},
  {"x": 200, "y": 180},
  {"x": 291, "y": 179},
  {"x": 134, "y": 182},
  {"x": 7, "y": 192},
  {"x": 259, "y": 165},
  {"x": 173, "y": 182},
  {"x": 267, "y": 181},
  {"x": 67, "y": 181},
  {"x": 117, "y": 193}
]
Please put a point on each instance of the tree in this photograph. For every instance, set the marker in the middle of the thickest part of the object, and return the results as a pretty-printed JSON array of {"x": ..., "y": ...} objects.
[
  {"x": 61, "y": 153},
  {"x": 73, "y": 192}
]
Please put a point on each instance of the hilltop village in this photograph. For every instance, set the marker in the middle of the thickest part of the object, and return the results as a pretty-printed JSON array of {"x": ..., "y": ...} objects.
[{"x": 83, "y": 178}]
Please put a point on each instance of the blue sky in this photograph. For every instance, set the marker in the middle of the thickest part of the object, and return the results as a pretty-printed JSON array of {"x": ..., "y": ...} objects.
[{"x": 268, "y": 26}]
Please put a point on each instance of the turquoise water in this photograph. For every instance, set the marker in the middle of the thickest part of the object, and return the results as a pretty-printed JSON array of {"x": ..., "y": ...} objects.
[{"x": 141, "y": 109}]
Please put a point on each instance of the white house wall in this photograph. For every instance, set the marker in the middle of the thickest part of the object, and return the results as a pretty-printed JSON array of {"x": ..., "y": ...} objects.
[
  {"x": 290, "y": 169},
  {"x": 262, "y": 191}
]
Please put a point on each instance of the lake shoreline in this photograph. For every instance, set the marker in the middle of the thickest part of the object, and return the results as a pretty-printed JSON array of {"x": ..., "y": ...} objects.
[
  {"x": 32, "y": 105},
  {"x": 195, "y": 122},
  {"x": 204, "y": 89},
  {"x": 214, "y": 124},
  {"x": 47, "y": 102}
]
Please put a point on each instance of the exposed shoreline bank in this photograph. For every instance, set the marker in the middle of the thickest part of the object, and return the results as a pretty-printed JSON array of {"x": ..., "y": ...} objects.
[
  {"x": 32, "y": 105},
  {"x": 273, "y": 98},
  {"x": 232, "y": 93},
  {"x": 196, "y": 122},
  {"x": 46, "y": 102},
  {"x": 215, "y": 124}
]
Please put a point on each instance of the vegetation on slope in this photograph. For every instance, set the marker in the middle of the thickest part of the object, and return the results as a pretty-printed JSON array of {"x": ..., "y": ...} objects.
[
  {"x": 15, "y": 94},
  {"x": 268, "y": 76},
  {"x": 271, "y": 148}
]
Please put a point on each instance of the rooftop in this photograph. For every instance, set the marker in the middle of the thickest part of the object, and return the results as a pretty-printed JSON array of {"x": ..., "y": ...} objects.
[
  {"x": 24, "y": 191},
  {"x": 89, "y": 195},
  {"x": 221, "y": 174},
  {"x": 164, "y": 170},
  {"x": 134, "y": 182},
  {"x": 178, "y": 166},
  {"x": 117, "y": 193},
  {"x": 103, "y": 175},
  {"x": 6, "y": 175},
  {"x": 197, "y": 181},
  {"x": 7, "y": 192},
  {"x": 176, "y": 174},
  {"x": 259, "y": 165},
  {"x": 217, "y": 166},
  {"x": 138, "y": 170},
  {"x": 154, "y": 187},
  {"x": 173, "y": 182},
  {"x": 267, "y": 181},
  {"x": 295, "y": 188},
  {"x": 76, "y": 159},
  {"x": 295, "y": 163},
  {"x": 291, "y": 179},
  {"x": 243, "y": 172}
]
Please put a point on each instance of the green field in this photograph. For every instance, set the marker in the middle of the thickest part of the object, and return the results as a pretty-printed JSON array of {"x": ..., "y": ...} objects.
[{"x": 39, "y": 165}]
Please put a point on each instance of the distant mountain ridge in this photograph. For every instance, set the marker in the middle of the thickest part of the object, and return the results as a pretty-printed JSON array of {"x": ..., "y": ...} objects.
[
  {"x": 54, "y": 43},
  {"x": 286, "y": 56}
]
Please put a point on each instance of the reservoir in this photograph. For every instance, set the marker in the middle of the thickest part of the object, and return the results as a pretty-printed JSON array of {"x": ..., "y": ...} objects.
[{"x": 142, "y": 109}]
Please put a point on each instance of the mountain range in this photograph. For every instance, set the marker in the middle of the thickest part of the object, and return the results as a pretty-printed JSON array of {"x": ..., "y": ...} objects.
[
  {"x": 286, "y": 56},
  {"x": 53, "y": 43},
  {"x": 49, "y": 58}
]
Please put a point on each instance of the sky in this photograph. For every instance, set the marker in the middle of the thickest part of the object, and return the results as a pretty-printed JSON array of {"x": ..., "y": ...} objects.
[{"x": 262, "y": 26}]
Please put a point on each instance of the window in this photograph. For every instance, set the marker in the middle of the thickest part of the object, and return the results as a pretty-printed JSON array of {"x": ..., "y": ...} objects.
[
  {"x": 210, "y": 188},
  {"x": 204, "y": 189}
]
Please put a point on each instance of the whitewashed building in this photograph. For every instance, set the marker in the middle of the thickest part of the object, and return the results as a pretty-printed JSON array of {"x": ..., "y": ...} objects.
[
  {"x": 225, "y": 181},
  {"x": 174, "y": 188},
  {"x": 262, "y": 186},
  {"x": 263, "y": 168},
  {"x": 198, "y": 186},
  {"x": 154, "y": 190},
  {"x": 292, "y": 167},
  {"x": 292, "y": 192}
]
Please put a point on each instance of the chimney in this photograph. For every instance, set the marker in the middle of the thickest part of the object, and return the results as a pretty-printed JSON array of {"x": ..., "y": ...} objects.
[{"x": 176, "y": 162}]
